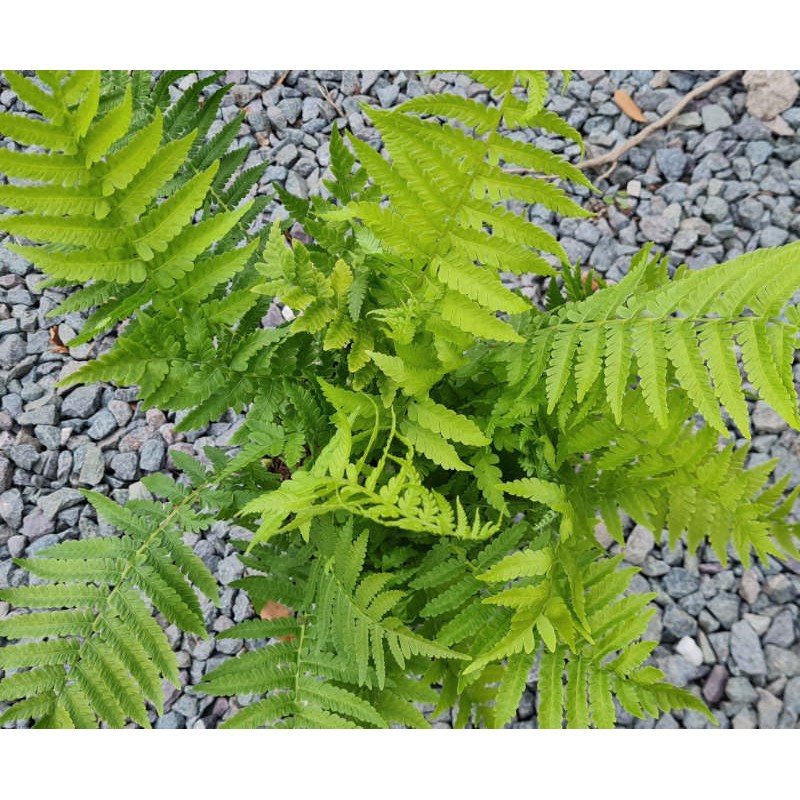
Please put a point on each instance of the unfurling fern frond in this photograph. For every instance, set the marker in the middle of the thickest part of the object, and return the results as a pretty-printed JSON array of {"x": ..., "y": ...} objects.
[{"x": 97, "y": 653}]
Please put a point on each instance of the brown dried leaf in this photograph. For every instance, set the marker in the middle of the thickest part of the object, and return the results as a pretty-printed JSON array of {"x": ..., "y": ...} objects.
[
  {"x": 273, "y": 610},
  {"x": 627, "y": 106},
  {"x": 56, "y": 345}
]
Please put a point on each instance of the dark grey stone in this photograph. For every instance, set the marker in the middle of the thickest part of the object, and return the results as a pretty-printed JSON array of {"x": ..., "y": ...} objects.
[
  {"x": 692, "y": 603},
  {"x": 714, "y": 686},
  {"x": 11, "y": 507},
  {"x": 782, "y": 630},
  {"x": 746, "y": 649},
  {"x": 678, "y": 623}
]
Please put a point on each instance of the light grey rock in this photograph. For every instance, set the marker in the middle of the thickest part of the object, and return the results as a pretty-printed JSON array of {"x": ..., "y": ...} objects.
[
  {"x": 122, "y": 412},
  {"x": 782, "y": 630},
  {"x": 740, "y": 690},
  {"x": 171, "y": 721},
  {"x": 241, "y": 607},
  {"x": 49, "y": 436},
  {"x": 12, "y": 350},
  {"x": 81, "y": 402},
  {"x": 151, "y": 455},
  {"x": 11, "y": 508},
  {"x": 229, "y": 569},
  {"x": 677, "y": 670},
  {"x": 24, "y": 455},
  {"x": 767, "y": 420},
  {"x": 657, "y": 228},
  {"x": 296, "y": 185},
  {"x": 746, "y": 649},
  {"x": 672, "y": 162},
  {"x": 51, "y": 504},
  {"x": 721, "y": 643},
  {"x": 769, "y": 709},
  {"x": 6, "y": 473},
  {"x": 769, "y": 91},
  {"x": 94, "y": 465},
  {"x": 714, "y": 686},
  {"x": 746, "y": 719},
  {"x": 124, "y": 465},
  {"x": 715, "y": 209},
  {"x": 37, "y": 524},
  {"x": 42, "y": 544},
  {"x": 639, "y": 544},
  {"x": 689, "y": 649},
  {"x": 103, "y": 423},
  {"x": 791, "y": 696},
  {"x": 781, "y": 661},
  {"x": 715, "y": 117},
  {"x": 16, "y": 545},
  {"x": 749, "y": 587},
  {"x": 772, "y": 236},
  {"x": 43, "y": 415},
  {"x": 262, "y": 77},
  {"x": 725, "y": 607},
  {"x": 757, "y": 622},
  {"x": 758, "y": 152}
]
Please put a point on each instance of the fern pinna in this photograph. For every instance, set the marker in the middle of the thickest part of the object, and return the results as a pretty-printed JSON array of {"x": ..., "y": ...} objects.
[{"x": 424, "y": 454}]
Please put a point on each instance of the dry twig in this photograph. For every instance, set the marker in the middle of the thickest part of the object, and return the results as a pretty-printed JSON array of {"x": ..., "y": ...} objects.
[{"x": 614, "y": 156}]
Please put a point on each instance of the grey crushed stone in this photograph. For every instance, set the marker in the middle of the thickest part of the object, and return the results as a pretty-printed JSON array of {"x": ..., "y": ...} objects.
[{"x": 714, "y": 185}]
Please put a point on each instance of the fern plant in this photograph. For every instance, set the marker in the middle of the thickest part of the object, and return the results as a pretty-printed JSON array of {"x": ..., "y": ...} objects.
[{"x": 424, "y": 454}]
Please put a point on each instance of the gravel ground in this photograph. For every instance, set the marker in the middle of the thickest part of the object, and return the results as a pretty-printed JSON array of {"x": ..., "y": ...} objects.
[{"x": 716, "y": 183}]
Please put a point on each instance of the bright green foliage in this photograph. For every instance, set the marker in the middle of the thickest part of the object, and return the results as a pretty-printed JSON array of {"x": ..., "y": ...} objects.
[
  {"x": 100, "y": 657},
  {"x": 424, "y": 455}
]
